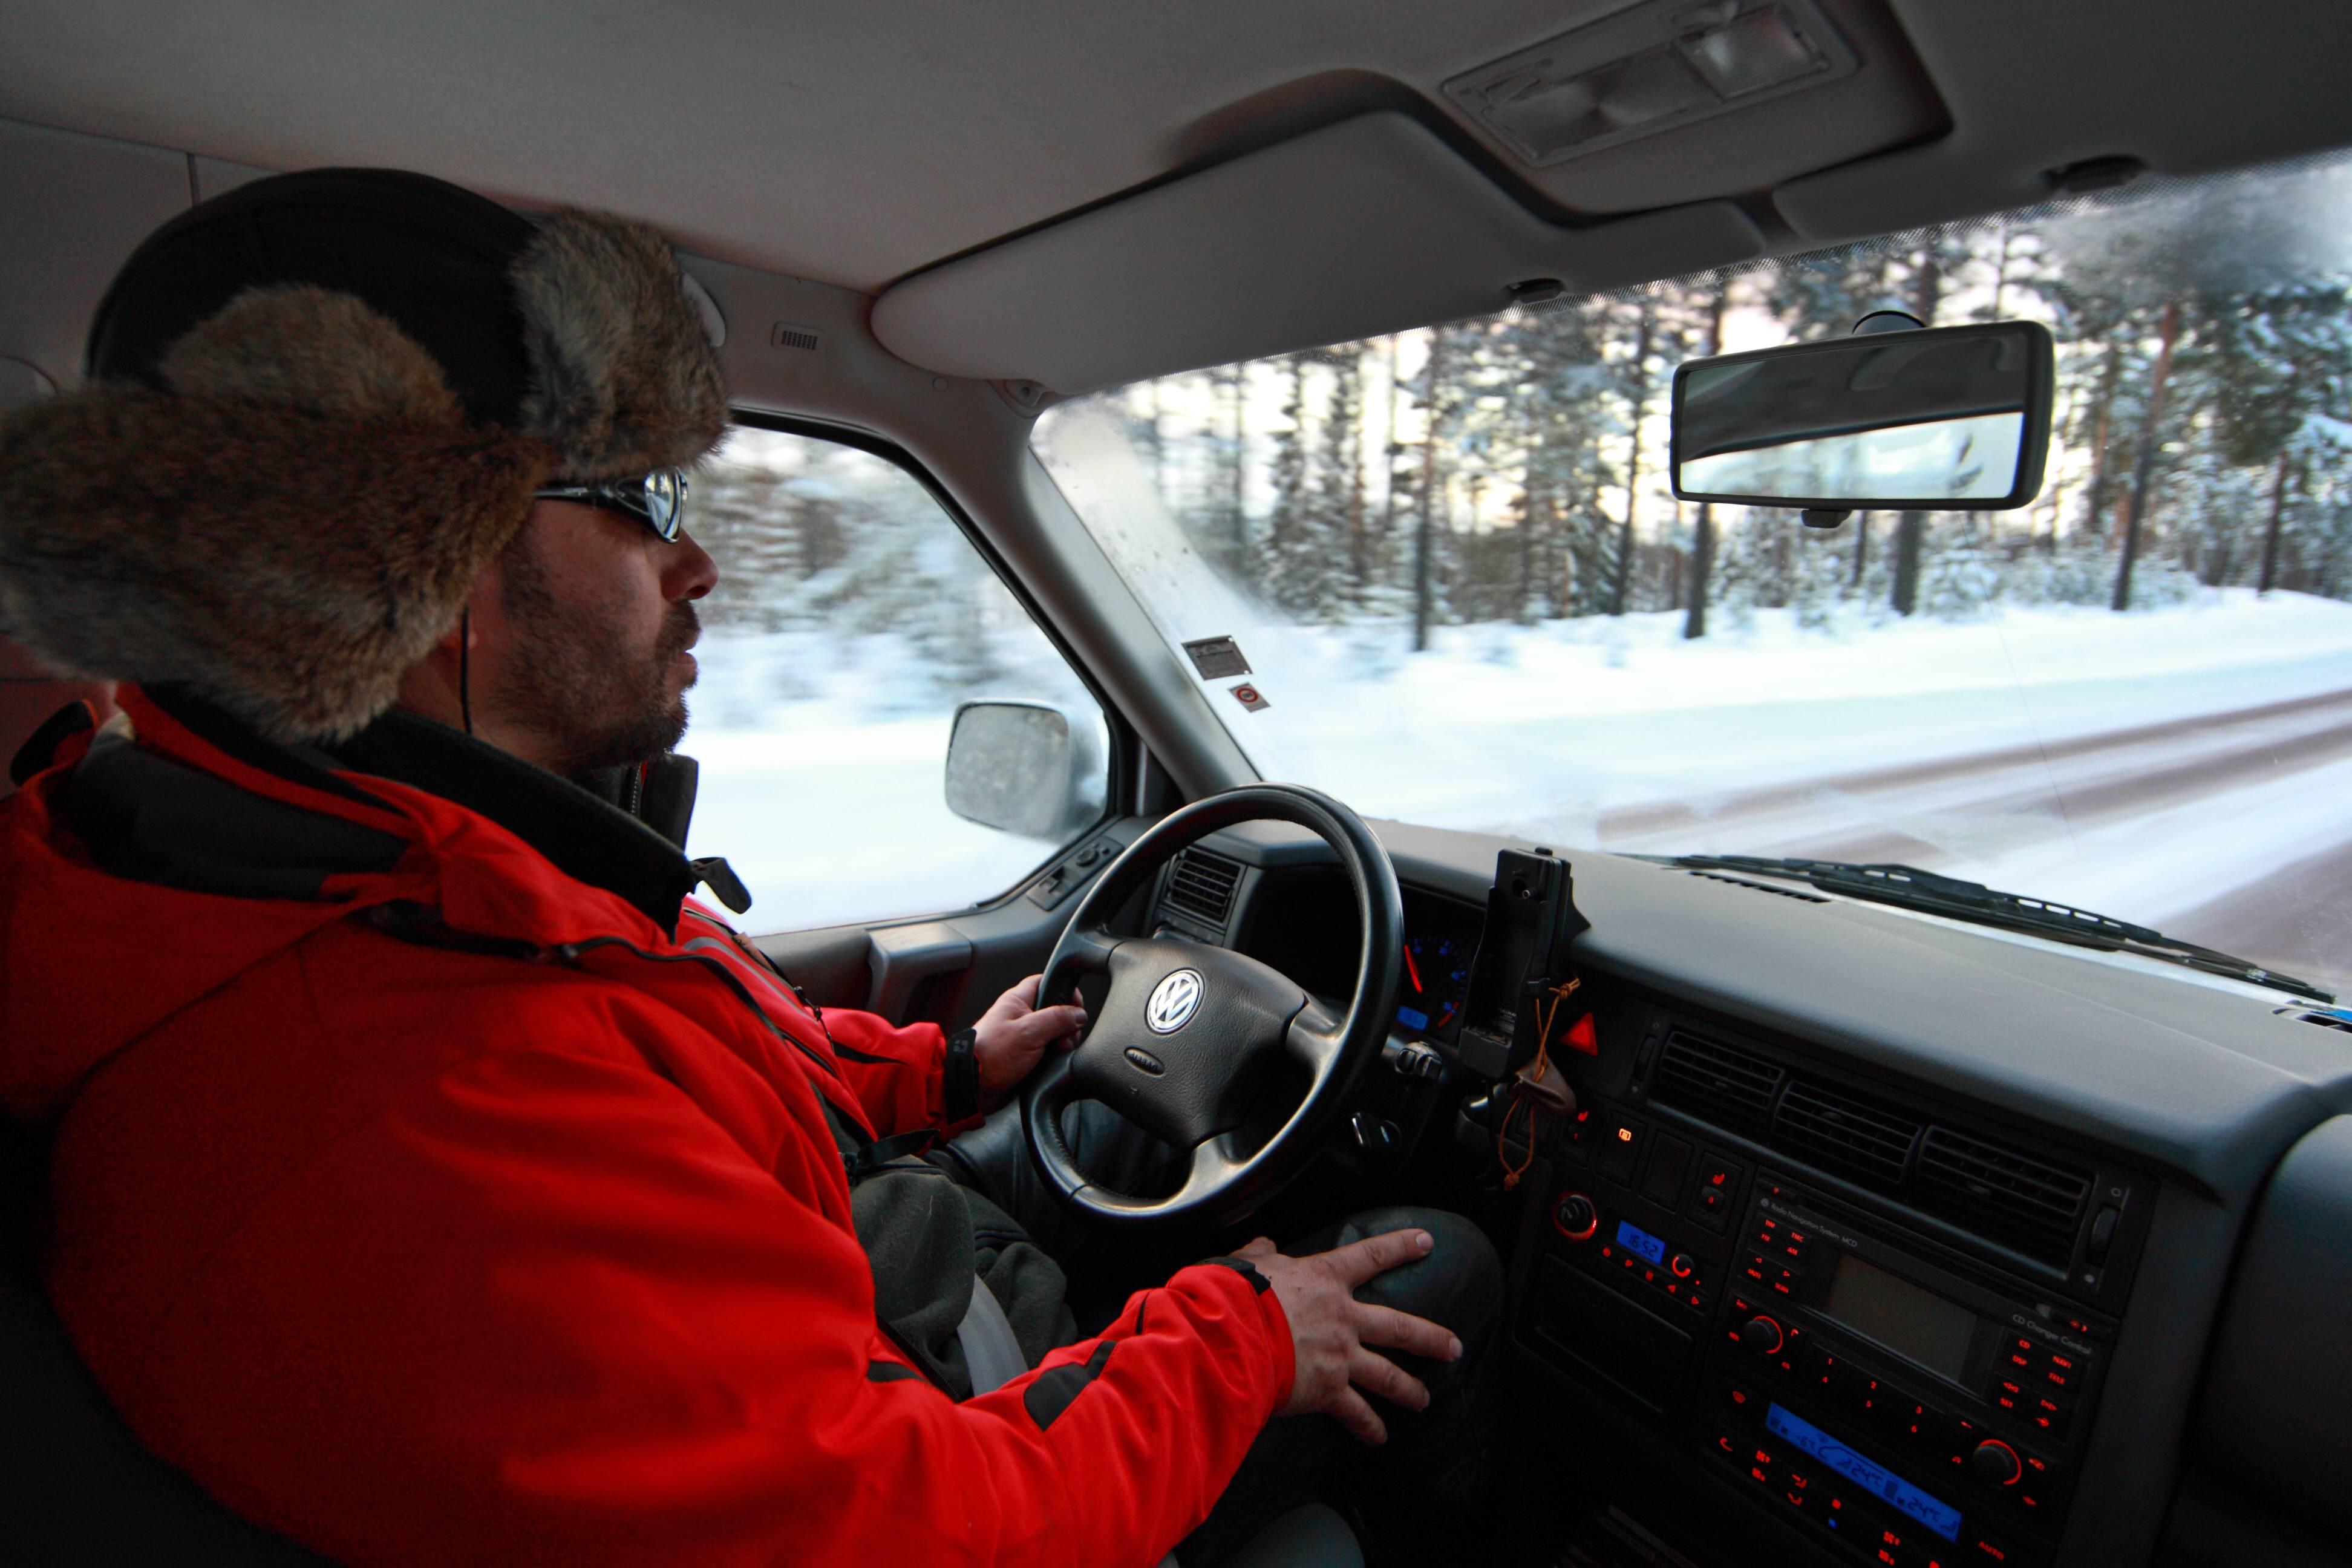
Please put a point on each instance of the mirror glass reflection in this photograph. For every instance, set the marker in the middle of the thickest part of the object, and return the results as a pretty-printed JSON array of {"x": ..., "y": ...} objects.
[{"x": 1948, "y": 459}]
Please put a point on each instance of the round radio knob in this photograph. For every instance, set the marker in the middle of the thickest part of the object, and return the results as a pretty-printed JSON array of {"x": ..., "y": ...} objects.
[
  {"x": 1761, "y": 1333},
  {"x": 1575, "y": 1217},
  {"x": 1683, "y": 1266},
  {"x": 1995, "y": 1461}
]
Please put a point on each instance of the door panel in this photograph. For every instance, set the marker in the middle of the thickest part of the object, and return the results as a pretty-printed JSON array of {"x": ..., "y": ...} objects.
[{"x": 946, "y": 969}]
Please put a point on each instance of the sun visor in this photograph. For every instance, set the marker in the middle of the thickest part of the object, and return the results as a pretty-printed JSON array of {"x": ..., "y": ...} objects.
[
  {"x": 1370, "y": 226},
  {"x": 2180, "y": 89}
]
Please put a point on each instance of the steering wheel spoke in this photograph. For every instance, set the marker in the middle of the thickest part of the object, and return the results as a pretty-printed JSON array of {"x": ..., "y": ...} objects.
[
  {"x": 1317, "y": 1040},
  {"x": 1216, "y": 1162},
  {"x": 1084, "y": 950}
]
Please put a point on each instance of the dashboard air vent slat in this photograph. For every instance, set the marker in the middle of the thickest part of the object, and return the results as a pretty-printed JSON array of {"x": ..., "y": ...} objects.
[
  {"x": 1202, "y": 885},
  {"x": 1845, "y": 1132},
  {"x": 2005, "y": 1192},
  {"x": 1717, "y": 1082}
]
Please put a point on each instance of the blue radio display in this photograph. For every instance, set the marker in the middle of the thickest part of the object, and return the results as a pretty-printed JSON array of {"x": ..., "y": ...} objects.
[
  {"x": 1885, "y": 1484},
  {"x": 1635, "y": 1239}
]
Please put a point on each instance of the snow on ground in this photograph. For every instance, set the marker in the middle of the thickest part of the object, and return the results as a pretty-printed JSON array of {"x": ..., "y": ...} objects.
[{"x": 822, "y": 763}]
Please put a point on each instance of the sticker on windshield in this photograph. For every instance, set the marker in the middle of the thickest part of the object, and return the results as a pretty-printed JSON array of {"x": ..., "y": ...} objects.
[
  {"x": 1217, "y": 658},
  {"x": 1249, "y": 697}
]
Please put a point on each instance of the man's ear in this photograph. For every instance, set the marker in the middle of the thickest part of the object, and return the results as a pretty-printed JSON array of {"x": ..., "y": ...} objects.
[{"x": 465, "y": 633}]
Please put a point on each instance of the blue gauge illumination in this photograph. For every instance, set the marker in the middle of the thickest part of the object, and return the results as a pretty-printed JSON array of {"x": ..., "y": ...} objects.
[{"x": 1880, "y": 1482}]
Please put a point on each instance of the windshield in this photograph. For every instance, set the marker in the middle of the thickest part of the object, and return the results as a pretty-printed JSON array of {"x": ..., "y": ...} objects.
[{"x": 1460, "y": 592}]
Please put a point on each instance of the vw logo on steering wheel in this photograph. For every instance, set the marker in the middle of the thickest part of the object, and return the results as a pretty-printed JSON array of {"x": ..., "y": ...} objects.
[{"x": 1173, "y": 1002}]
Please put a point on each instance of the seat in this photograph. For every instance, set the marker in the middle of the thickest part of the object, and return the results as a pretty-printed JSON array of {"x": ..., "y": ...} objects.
[{"x": 76, "y": 1489}]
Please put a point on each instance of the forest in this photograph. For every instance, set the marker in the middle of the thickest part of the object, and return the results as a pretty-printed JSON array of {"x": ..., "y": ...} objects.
[{"x": 1510, "y": 469}]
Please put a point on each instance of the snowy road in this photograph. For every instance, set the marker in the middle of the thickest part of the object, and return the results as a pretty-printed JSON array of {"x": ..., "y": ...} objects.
[{"x": 2264, "y": 868}]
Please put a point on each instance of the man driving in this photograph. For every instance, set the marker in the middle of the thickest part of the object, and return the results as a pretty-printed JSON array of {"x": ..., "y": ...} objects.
[{"x": 428, "y": 1175}]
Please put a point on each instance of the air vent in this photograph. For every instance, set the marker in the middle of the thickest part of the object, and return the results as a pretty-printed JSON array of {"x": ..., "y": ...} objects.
[
  {"x": 1845, "y": 1133},
  {"x": 787, "y": 336},
  {"x": 1202, "y": 884},
  {"x": 2032, "y": 1205},
  {"x": 2005, "y": 1193},
  {"x": 2326, "y": 1018},
  {"x": 1717, "y": 1083}
]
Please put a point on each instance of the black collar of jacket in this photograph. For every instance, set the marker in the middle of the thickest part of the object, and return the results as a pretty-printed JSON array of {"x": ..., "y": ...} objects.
[{"x": 135, "y": 814}]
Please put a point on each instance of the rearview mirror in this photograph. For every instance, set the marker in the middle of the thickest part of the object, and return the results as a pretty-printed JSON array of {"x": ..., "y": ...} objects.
[
  {"x": 1951, "y": 418},
  {"x": 1029, "y": 768}
]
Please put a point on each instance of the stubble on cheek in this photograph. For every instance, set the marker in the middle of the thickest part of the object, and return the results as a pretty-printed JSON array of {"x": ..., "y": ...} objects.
[{"x": 579, "y": 677}]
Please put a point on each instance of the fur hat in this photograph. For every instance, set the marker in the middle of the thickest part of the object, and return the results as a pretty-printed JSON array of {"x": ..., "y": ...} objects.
[{"x": 316, "y": 410}]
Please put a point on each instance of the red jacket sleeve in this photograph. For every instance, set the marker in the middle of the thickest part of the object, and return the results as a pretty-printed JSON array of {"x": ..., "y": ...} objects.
[
  {"x": 898, "y": 1074},
  {"x": 544, "y": 1309}
]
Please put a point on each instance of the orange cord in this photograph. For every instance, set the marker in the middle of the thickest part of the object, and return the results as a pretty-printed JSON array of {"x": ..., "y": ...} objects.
[{"x": 1544, "y": 1020}]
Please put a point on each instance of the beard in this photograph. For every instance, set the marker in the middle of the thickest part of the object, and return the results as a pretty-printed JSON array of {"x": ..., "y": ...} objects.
[{"x": 575, "y": 677}]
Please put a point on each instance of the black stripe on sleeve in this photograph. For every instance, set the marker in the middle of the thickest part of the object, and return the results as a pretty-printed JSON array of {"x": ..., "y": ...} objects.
[
  {"x": 1241, "y": 1266},
  {"x": 1053, "y": 1392}
]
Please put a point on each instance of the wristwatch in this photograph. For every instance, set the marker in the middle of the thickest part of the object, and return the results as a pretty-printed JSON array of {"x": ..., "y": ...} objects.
[{"x": 962, "y": 1090}]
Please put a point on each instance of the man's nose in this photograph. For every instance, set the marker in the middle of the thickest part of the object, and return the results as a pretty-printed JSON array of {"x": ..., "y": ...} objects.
[{"x": 688, "y": 571}]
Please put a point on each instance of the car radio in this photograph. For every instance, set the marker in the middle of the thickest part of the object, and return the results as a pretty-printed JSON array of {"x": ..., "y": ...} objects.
[
  {"x": 1911, "y": 1405},
  {"x": 1938, "y": 1410}
]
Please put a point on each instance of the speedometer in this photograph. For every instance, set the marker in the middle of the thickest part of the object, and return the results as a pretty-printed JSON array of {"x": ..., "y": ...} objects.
[{"x": 1441, "y": 942}]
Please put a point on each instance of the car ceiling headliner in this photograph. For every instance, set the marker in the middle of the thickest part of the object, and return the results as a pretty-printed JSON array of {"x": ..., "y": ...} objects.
[
  {"x": 849, "y": 142},
  {"x": 856, "y": 142}
]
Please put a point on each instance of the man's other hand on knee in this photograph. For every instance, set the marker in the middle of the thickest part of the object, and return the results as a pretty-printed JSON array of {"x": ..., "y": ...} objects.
[{"x": 1332, "y": 1334}]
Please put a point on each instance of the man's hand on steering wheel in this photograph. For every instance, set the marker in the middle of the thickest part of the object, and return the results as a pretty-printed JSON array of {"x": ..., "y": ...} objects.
[
  {"x": 1009, "y": 1038},
  {"x": 1330, "y": 1330}
]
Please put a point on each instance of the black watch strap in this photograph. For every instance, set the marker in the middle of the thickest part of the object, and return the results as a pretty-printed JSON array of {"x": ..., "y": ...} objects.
[{"x": 962, "y": 1089}]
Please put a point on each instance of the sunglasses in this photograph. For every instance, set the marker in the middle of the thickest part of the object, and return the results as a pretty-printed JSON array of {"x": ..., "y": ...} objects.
[{"x": 657, "y": 499}]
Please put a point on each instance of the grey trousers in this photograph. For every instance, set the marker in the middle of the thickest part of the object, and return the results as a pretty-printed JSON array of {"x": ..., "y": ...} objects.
[{"x": 1459, "y": 1285}]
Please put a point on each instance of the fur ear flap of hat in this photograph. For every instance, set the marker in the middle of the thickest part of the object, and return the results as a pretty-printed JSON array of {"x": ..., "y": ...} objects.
[
  {"x": 623, "y": 375},
  {"x": 293, "y": 507},
  {"x": 286, "y": 530}
]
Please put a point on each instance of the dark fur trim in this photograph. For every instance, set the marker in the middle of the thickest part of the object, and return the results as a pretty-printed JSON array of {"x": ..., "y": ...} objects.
[
  {"x": 624, "y": 377},
  {"x": 287, "y": 536}
]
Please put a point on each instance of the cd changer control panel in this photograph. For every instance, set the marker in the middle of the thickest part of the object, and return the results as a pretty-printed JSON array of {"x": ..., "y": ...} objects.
[{"x": 1907, "y": 1405}]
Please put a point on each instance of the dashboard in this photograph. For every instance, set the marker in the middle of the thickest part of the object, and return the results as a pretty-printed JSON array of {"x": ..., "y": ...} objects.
[{"x": 1878, "y": 1240}]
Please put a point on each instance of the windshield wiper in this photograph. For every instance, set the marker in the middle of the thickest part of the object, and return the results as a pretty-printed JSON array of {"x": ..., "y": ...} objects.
[{"x": 1909, "y": 887}]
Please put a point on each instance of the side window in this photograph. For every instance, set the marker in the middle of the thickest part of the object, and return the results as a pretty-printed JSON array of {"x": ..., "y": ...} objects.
[{"x": 851, "y": 621}]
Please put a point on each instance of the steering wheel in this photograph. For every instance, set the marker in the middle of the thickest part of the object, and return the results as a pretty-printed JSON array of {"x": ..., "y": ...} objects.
[{"x": 1185, "y": 1024}]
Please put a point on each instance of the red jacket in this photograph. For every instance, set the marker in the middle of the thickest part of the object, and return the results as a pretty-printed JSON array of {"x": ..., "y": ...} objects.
[{"x": 419, "y": 1254}]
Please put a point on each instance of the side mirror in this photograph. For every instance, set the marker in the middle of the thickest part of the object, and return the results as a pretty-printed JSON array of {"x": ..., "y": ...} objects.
[
  {"x": 1029, "y": 768},
  {"x": 1950, "y": 418}
]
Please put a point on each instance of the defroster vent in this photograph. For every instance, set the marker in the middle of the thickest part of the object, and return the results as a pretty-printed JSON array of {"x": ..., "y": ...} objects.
[{"x": 1202, "y": 885}]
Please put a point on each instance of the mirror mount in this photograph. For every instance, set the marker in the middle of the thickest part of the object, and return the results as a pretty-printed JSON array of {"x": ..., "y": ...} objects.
[
  {"x": 1888, "y": 320},
  {"x": 1824, "y": 516}
]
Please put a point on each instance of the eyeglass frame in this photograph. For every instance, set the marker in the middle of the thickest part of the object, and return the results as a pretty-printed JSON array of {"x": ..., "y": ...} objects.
[{"x": 634, "y": 498}]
